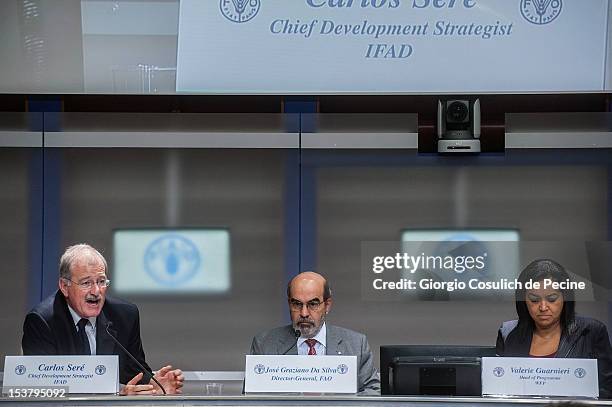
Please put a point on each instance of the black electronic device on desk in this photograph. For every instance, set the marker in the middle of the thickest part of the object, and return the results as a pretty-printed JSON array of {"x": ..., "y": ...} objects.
[{"x": 434, "y": 370}]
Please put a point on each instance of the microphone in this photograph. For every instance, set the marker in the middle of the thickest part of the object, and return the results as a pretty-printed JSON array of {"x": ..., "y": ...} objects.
[
  {"x": 297, "y": 334},
  {"x": 108, "y": 325}
]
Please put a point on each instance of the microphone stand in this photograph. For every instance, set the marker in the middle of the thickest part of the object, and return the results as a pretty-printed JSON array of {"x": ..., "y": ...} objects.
[{"x": 108, "y": 325}]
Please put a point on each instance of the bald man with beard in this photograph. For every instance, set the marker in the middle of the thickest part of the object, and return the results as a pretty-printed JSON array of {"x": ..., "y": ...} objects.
[{"x": 310, "y": 300}]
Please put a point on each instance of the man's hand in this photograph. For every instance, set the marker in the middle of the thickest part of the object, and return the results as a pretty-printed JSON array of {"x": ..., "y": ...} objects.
[
  {"x": 132, "y": 388},
  {"x": 171, "y": 380}
]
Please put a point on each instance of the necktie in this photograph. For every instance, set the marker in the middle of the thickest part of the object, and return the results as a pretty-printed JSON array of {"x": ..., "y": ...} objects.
[
  {"x": 83, "y": 340},
  {"x": 311, "y": 346}
]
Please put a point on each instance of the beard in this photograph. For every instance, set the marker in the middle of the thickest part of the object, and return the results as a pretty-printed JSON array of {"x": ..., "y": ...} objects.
[{"x": 308, "y": 327}]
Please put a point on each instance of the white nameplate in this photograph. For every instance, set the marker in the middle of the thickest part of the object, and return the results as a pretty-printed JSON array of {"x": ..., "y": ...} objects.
[
  {"x": 539, "y": 377},
  {"x": 97, "y": 374},
  {"x": 299, "y": 374}
]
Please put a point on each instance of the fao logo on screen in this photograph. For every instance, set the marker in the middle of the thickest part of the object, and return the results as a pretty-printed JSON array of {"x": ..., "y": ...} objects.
[
  {"x": 239, "y": 11},
  {"x": 171, "y": 260},
  {"x": 541, "y": 12}
]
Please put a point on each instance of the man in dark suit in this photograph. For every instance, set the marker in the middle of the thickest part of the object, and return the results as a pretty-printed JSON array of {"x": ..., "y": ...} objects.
[
  {"x": 75, "y": 320},
  {"x": 309, "y": 297}
]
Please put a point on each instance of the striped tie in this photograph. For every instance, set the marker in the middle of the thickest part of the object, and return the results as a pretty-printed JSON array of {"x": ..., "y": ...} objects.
[{"x": 311, "y": 346}]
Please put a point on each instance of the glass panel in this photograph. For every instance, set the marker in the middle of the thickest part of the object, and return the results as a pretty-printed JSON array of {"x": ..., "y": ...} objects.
[
  {"x": 357, "y": 197},
  {"x": 20, "y": 215},
  {"x": 559, "y": 130},
  {"x": 173, "y": 130},
  {"x": 583, "y": 122},
  {"x": 388, "y": 131},
  {"x": 238, "y": 190},
  {"x": 144, "y": 185}
]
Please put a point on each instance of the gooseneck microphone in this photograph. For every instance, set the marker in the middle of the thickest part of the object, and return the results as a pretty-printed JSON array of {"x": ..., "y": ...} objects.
[
  {"x": 127, "y": 352},
  {"x": 297, "y": 334}
]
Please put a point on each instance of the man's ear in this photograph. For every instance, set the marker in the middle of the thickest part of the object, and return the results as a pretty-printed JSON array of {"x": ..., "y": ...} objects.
[
  {"x": 63, "y": 286},
  {"x": 328, "y": 305}
]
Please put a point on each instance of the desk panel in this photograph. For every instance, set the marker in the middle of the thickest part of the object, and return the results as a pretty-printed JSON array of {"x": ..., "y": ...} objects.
[{"x": 296, "y": 401}]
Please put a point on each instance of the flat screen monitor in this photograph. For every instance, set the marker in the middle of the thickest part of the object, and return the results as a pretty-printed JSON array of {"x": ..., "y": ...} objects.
[
  {"x": 498, "y": 247},
  {"x": 171, "y": 261},
  {"x": 432, "y": 369}
]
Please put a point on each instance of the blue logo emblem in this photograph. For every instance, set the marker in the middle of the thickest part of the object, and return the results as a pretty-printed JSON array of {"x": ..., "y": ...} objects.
[
  {"x": 580, "y": 373},
  {"x": 172, "y": 260},
  {"x": 541, "y": 12},
  {"x": 259, "y": 369},
  {"x": 100, "y": 370},
  {"x": 20, "y": 369},
  {"x": 498, "y": 371},
  {"x": 342, "y": 369},
  {"x": 239, "y": 11}
]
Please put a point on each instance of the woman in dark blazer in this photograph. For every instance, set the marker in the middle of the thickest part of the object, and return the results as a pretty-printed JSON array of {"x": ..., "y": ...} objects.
[{"x": 548, "y": 327}]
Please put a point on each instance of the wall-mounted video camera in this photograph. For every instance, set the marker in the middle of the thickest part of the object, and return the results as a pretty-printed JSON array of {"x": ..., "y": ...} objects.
[{"x": 459, "y": 126}]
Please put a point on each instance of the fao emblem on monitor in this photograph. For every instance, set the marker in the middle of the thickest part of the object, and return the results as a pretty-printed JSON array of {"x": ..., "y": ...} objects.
[
  {"x": 239, "y": 11},
  {"x": 172, "y": 259},
  {"x": 541, "y": 12}
]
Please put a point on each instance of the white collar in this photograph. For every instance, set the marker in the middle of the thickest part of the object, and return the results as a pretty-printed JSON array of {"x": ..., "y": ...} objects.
[
  {"x": 76, "y": 317},
  {"x": 320, "y": 337}
]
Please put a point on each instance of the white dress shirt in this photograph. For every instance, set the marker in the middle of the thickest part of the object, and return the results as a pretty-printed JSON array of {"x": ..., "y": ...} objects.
[
  {"x": 320, "y": 346},
  {"x": 90, "y": 329}
]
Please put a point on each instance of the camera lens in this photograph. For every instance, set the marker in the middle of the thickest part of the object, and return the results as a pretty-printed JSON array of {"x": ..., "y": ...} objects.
[{"x": 457, "y": 112}]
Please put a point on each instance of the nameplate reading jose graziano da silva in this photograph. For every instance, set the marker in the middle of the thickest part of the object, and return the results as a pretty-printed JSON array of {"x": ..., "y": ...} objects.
[
  {"x": 299, "y": 373},
  {"x": 540, "y": 377},
  {"x": 97, "y": 374}
]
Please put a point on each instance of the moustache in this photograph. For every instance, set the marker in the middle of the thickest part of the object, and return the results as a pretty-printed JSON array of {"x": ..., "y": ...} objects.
[{"x": 305, "y": 321}]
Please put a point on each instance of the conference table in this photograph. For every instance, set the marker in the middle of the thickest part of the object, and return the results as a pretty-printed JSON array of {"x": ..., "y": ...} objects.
[
  {"x": 227, "y": 387},
  {"x": 306, "y": 400}
]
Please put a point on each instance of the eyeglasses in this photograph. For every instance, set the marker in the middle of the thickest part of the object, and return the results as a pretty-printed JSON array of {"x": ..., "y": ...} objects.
[
  {"x": 312, "y": 305},
  {"x": 88, "y": 285}
]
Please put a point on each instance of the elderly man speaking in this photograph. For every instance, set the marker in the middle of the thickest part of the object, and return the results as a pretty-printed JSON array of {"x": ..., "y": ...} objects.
[
  {"x": 310, "y": 300},
  {"x": 75, "y": 320}
]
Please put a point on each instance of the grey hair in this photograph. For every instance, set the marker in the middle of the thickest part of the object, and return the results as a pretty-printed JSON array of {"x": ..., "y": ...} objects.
[{"x": 76, "y": 253}]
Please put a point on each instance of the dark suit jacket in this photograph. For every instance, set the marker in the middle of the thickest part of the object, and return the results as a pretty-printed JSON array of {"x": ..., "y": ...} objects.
[
  {"x": 49, "y": 330},
  {"x": 340, "y": 341},
  {"x": 586, "y": 338}
]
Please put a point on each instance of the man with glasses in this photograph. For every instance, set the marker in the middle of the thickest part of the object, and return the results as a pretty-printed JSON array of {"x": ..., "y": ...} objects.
[
  {"x": 310, "y": 300},
  {"x": 78, "y": 318}
]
